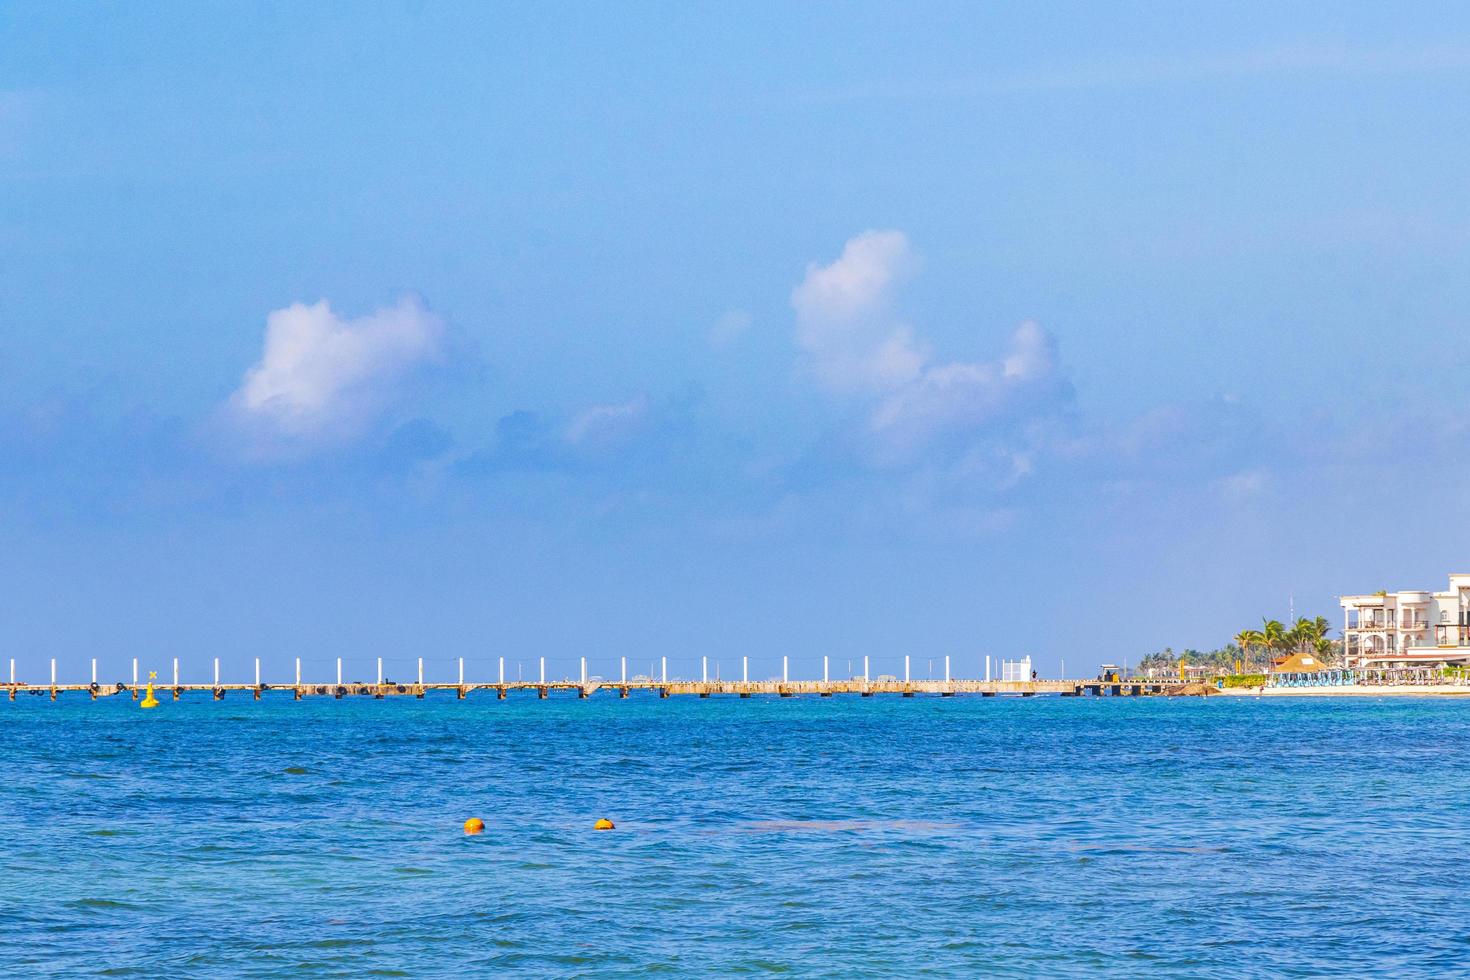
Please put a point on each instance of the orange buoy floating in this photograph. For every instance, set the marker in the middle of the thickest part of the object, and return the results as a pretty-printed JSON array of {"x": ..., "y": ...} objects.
[
  {"x": 474, "y": 825},
  {"x": 603, "y": 824}
]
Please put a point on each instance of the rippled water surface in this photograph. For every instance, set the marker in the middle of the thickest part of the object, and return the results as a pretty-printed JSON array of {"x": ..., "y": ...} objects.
[{"x": 840, "y": 837}]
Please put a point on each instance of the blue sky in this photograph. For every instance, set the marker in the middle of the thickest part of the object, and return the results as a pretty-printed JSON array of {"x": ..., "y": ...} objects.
[{"x": 682, "y": 330}]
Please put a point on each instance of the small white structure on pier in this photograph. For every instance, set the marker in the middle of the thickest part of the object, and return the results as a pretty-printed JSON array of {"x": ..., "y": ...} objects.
[{"x": 1016, "y": 670}]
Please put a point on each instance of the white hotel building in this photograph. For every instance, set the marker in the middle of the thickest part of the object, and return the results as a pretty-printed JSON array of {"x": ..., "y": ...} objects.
[{"x": 1408, "y": 627}]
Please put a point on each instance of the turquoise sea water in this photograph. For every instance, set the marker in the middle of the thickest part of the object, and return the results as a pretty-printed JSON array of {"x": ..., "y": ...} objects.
[{"x": 841, "y": 837}]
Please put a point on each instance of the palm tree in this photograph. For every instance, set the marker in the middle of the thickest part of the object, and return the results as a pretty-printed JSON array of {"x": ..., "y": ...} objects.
[
  {"x": 1246, "y": 639},
  {"x": 1243, "y": 640},
  {"x": 1273, "y": 636},
  {"x": 1325, "y": 649},
  {"x": 1309, "y": 631}
]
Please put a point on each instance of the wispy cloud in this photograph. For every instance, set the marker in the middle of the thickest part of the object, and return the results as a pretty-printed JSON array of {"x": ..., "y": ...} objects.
[
  {"x": 1244, "y": 485},
  {"x": 1143, "y": 71},
  {"x": 601, "y": 425},
  {"x": 323, "y": 379},
  {"x": 963, "y": 396}
]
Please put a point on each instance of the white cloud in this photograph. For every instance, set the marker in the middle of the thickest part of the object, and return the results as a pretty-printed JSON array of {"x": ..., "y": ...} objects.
[
  {"x": 1245, "y": 485},
  {"x": 846, "y": 324},
  {"x": 324, "y": 379},
  {"x": 844, "y": 318},
  {"x": 963, "y": 396},
  {"x": 604, "y": 424}
]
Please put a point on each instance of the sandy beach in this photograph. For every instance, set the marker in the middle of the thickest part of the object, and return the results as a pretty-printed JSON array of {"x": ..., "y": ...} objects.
[{"x": 1352, "y": 691}]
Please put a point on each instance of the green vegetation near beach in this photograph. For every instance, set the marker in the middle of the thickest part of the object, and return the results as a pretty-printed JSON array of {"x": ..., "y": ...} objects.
[{"x": 1252, "y": 649}]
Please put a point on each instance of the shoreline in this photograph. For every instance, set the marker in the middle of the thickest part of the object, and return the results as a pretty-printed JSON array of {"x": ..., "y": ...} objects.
[{"x": 1349, "y": 691}]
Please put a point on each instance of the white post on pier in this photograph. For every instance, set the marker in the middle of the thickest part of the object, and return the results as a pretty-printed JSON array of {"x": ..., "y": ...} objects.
[
  {"x": 502, "y": 671},
  {"x": 865, "y": 668},
  {"x": 135, "y": 671},
  {"x": 704, "y": 670},
  {"x": 421, "y": 672},
  {"x": 339, "y": 671},
  {"x": 584, "y": 671},
  {"x": 625, "y": 670},
  {"x": 53, "y": 671},
  {"x": 94, "y": 670},
  {"x": 745, "y": 670},
  {"x": 12, "y": 670},
  {"x": 461, "y": 671},
  {"x": 664, "y": 671},
  {"x": 176, "y": 672},
  {"x": 946, "y": 668},
  {"x": 987, "y": 668},
  {"x": 543, "y": 670},
  {"x": 380, "y": 671},
  {"x": 298, "y": 671},
  {"x": 216, "y": 671},
  {"x": 905, "y": 668},
  {"x": 785, "y": 674},
  {"x": 257, "y": 671},
  {"x": 824, "y": 668}
]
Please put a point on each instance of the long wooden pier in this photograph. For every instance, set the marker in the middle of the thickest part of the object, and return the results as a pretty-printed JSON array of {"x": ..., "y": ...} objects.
[{"x": 621, "y": 689}]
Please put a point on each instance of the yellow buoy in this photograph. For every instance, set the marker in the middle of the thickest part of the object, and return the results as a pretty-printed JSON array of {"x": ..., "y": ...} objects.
[
  {"x": 149, "y": 701},
  {"x": 474, "y": 825},
  {"x": 603, "y": 824}
]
